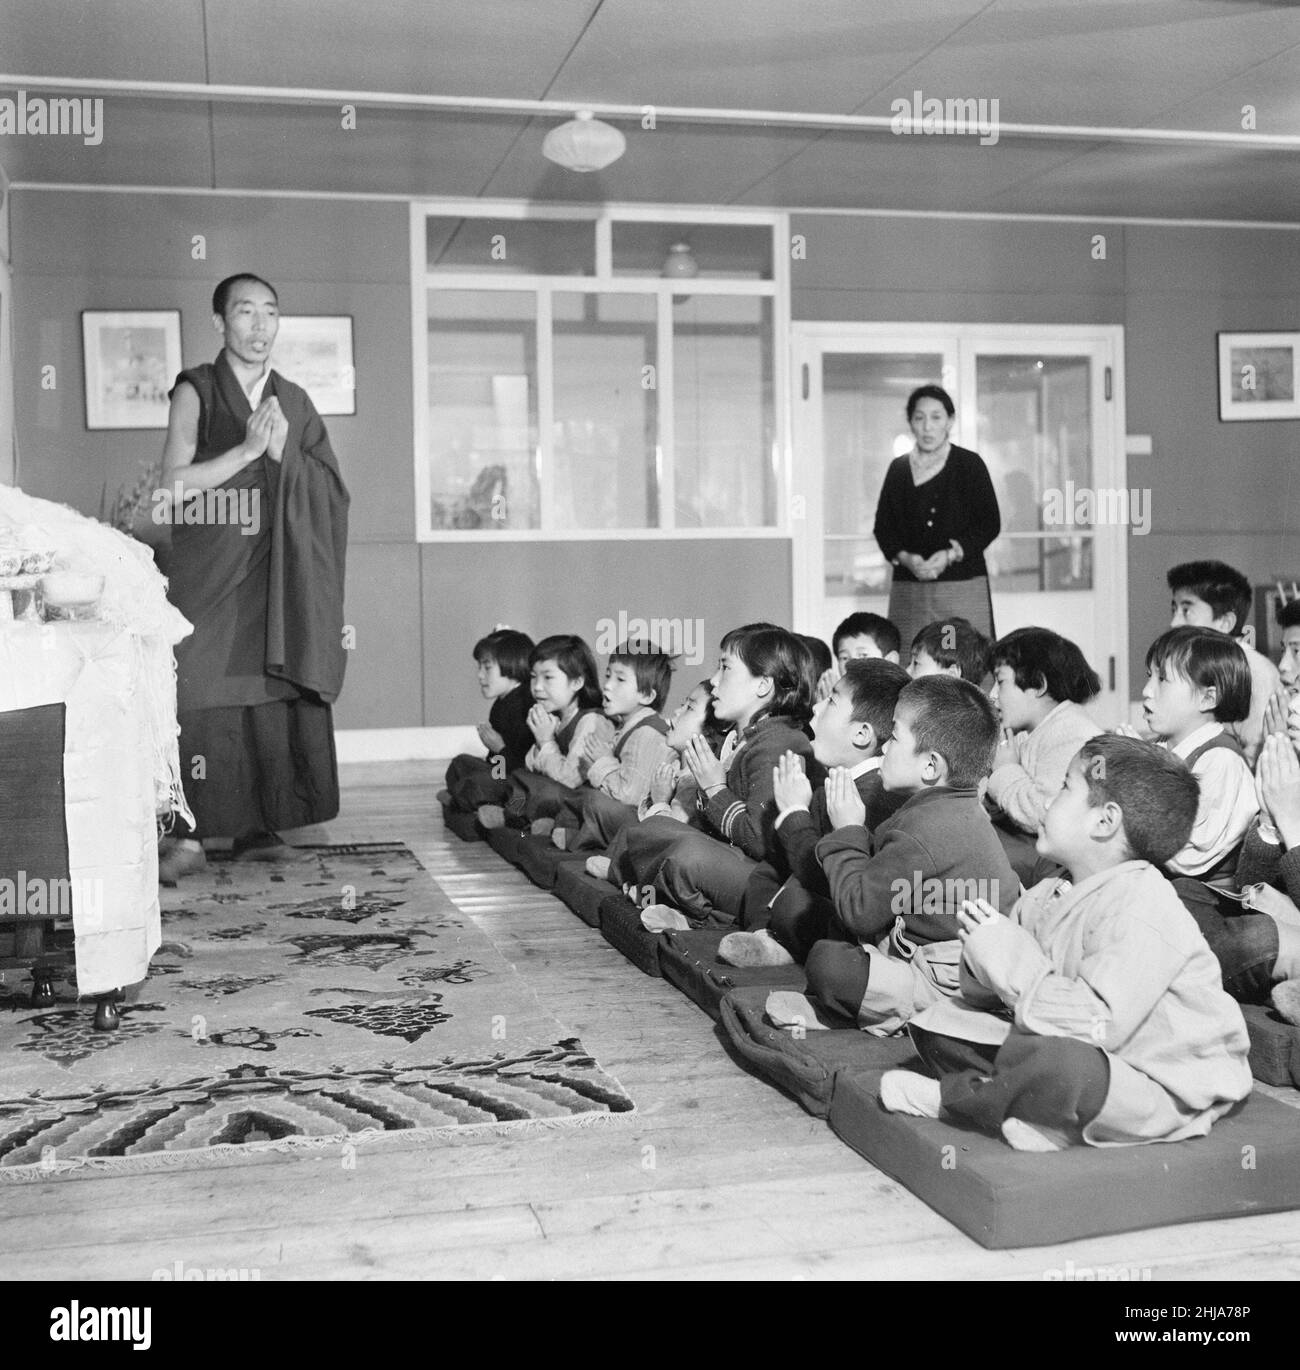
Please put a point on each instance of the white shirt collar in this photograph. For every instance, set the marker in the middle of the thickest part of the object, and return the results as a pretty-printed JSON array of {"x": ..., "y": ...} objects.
[
  {"x": 872, "y": 763},
  {"x": 259, "y": 385},
  {"x": 1203, "y": 734}
]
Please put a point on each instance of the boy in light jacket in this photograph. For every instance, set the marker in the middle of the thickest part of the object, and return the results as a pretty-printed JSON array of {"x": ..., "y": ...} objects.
[{"x": 1096, "y": 1012}]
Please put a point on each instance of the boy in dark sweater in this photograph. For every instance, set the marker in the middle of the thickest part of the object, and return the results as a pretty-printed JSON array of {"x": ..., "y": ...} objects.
[
  {"x": 787, "y": 903},
  {"x": 502, "y": 661},
  {"x": 893, "y": 945},
  {"x": 860, "y": 636}
]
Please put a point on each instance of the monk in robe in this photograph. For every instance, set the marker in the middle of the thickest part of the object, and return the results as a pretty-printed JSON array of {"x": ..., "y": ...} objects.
[{"x": 259, "y": 537}]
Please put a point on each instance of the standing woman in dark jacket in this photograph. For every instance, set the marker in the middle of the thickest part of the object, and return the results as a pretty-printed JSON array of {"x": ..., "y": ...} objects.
[{"x": 936, "y": 514}]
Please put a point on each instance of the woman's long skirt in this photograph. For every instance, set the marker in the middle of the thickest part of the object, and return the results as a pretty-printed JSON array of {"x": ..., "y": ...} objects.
[{"x": 914, "y": 603}]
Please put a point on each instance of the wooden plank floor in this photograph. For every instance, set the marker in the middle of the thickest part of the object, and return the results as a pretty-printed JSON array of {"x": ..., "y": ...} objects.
[{"x": 716, "y": 1175}]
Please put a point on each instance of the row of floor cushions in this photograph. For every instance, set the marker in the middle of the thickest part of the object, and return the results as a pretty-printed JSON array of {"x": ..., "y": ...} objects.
[
  {"x": 1249, "y": 1164},
  {"x": 1275, "y": 1044}
]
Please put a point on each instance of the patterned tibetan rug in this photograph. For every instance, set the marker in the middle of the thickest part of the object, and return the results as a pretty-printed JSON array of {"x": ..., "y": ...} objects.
[{"x": 334, "y": 997}]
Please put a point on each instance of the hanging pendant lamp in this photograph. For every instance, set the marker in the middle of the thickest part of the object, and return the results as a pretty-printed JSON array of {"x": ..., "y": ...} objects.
[{"x": 584, "y": 143}]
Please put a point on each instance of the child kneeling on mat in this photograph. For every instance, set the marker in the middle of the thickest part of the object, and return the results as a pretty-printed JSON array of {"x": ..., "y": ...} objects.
[
  {"x": 501, "y": 661},
  {"x": 619, "y": 770},
  {"x": 1040, "y": 682},
  {"x": 762, "y": 689},
  {"x": 791, "y": 891},
  {"x": 566, "y": 711},
  {"x": 889, "y": 945},
  {"x": 1096, "y": 1012}
]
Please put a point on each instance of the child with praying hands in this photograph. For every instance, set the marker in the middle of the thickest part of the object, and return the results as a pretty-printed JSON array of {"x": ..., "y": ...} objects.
[{"x": 1094, "y": 1013}]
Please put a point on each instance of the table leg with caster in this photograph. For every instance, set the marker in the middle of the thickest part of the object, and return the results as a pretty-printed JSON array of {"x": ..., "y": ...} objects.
[
  {"x": 42, "y": 987},
  {"x": 29, "y": 941},
  {"x": 107, "y": 1018}
]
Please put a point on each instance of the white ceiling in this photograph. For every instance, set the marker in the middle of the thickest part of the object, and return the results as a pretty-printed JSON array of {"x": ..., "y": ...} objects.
[{"x": 1169, "y": 64}]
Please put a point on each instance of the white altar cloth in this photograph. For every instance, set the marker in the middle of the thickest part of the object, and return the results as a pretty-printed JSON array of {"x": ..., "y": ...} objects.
[{"x": 94, "y": 670}]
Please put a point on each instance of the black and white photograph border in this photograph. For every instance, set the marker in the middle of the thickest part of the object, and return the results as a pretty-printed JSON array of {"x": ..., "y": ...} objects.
[{"x": 642, "y": 294}]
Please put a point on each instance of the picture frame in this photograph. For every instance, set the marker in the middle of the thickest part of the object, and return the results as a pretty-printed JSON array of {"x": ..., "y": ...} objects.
[
  {"x": 315, "y": 352},
  {"x": 1259, "y": 376},
  {"x": 130, "y": 360}
]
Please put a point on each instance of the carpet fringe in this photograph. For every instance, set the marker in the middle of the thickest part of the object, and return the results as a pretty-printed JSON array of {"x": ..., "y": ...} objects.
[{"x": 371, "y": 1140}]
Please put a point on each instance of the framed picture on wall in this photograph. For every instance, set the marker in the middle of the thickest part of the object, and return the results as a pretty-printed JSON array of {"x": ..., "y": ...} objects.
[
  {"x": 1259, "y": 376},
  {"x": 131, "y": 358},
  {"x": 315, "y": 351}
]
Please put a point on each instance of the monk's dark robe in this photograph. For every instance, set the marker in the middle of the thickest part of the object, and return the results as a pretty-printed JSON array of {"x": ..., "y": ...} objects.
[{"x": 256, "y": 679}]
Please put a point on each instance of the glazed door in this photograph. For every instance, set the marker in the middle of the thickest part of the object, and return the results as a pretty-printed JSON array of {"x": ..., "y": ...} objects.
[{"x": 1042, "y": 406}]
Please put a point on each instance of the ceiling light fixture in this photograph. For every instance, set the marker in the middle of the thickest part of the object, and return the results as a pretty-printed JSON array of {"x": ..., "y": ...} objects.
[{"x": 585, "y": 143}]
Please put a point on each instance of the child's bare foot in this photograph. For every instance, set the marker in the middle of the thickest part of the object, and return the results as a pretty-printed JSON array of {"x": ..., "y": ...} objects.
[
  {"x": 598, "y": 866},
  {"x": 664, "y": 918},
  {"x": 787, "y": 1008},
  {"x": 904, "y": 1091},
  {"x": 542, "y": 827},
  {"x": 1025, "y": 1136},
  {"x": 491, "y": 815},
  {"x": 560, "y": 838},
  {"x": 1286, "y": 999},
  {"x": 753, "y": 949}
]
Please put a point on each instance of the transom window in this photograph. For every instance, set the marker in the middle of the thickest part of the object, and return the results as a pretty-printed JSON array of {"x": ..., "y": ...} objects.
[{"x": 589, "y": 372}]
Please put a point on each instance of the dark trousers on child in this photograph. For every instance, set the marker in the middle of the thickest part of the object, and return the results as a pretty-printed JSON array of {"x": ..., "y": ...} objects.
[
  {"x": 763, "y": 886},
  {"x": 1246, "y": 944},
  {"x": 706, "y": 879},
  {"x": 593, "y": 819},
  {"x": 799, "y": 920},
  {"x": 532, "y": 795},
  {"x": 693, "y": 872},
  {"x": 473, "y": 782},
  {"x": 838, "y": 974},
  {"x": 874, "y": 989},
  {"x": 1056, "y": 1082}
]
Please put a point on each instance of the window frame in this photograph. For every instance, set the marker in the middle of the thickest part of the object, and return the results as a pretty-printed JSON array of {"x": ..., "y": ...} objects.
[{"x": 603, "y": 282}]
